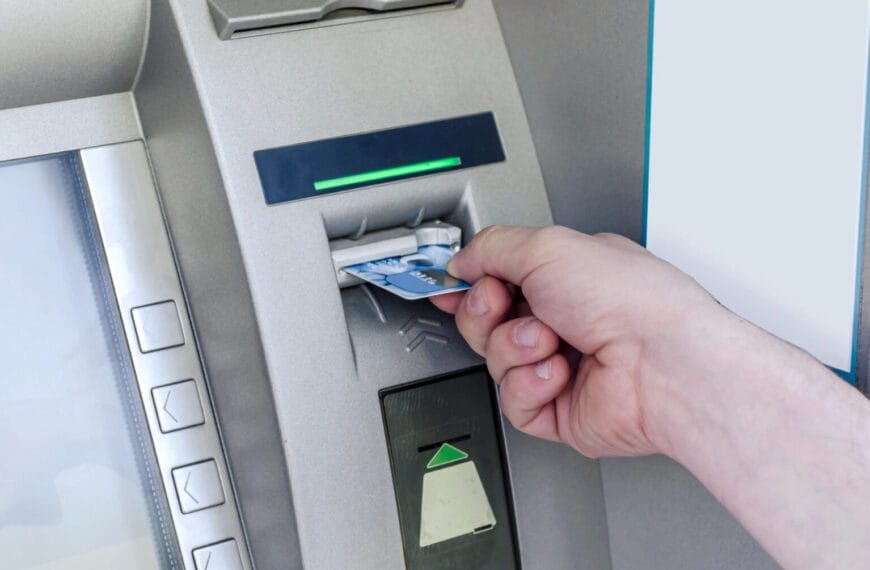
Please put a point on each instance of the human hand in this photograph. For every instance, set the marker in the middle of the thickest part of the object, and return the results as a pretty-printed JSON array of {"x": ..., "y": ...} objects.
[
  {"x": 602, "y": 296},
  {"x": 769, "y": 430}
]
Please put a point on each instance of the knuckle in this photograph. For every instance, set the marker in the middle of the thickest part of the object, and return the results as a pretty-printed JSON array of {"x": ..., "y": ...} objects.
[
  {"x": 485, "y": 235},
  {"x": 514, "y": 398},
  {"x": 512, "y": 413},
  {"x": 609, "y": 236},
  {"x": 547, "y": 238},
  {"x": 495, "y": 371},
  {"x": 589, "y": 451},
  {"x": 615, "y": 240}
]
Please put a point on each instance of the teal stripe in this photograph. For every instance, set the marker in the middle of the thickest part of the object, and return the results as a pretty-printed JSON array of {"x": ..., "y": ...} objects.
[
  {"x": 648, "y": 120},
  {"x": 852, "y": 375}
]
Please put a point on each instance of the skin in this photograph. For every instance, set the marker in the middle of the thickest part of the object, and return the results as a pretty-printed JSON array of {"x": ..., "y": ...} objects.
[{"x": 781, "y": 441}]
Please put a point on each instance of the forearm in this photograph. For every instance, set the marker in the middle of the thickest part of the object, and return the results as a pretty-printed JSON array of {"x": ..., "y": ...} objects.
[{"x": 781, "y": 441}]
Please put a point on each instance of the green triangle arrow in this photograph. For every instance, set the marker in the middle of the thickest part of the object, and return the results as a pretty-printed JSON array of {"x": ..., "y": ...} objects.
[{"x": 446, "y": 454}]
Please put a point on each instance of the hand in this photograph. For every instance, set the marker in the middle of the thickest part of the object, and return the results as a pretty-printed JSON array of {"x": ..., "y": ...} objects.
[
  {"x": 601, "y": 296},
  {"x": 770, "y": 431}
]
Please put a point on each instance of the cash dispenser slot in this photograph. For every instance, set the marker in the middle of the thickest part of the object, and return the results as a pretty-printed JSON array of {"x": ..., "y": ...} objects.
[
  {"x": 233, "y": 16},
  {"x": 447, "y": 460}
]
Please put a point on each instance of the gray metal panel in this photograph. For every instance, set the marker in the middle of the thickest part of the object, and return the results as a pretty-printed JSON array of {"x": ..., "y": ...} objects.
[
  {"x": 560, "y": 497},
  {"x": 55, "y": 51},
  {"x": 582, "y": 72},
  {"x": 441, "y": 64},
  {"x": 216, "y": 287},
  {"x": 581, "y": 68},
  {"x": 68, "y": 125},
  {"x": 231, "y": 16},
  {"x": 662, "y": 517}
]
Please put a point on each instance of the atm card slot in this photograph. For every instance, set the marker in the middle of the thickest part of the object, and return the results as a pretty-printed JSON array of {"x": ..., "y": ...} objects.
[{"x": 390, "y": 243}]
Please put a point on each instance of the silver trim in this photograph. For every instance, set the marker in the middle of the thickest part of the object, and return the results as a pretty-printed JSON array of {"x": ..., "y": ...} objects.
[{"x": 143, "y": 272}]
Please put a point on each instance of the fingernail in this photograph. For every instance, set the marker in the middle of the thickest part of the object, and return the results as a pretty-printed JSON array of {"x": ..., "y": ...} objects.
[
  {"x": 477, "y": 305},
  {"x": 527, "y": 333},
  {"x": 543, "y": 369},
  {"x": 451, "y": 267}
]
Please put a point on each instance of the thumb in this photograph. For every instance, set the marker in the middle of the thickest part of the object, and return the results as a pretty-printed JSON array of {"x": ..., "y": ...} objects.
[{"x": 504, "y": 252}]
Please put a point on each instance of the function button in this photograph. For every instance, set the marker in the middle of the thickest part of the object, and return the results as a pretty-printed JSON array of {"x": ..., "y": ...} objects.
[
  {"x": 178, "y": 406},
  {"x": 198, "y": 486},
  {"x": 158, "y": 326},
  {"x": 221, "y": 556}
]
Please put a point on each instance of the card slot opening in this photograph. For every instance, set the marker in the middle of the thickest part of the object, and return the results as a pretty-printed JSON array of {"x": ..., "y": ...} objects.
[{"x": 437, "y": 444}]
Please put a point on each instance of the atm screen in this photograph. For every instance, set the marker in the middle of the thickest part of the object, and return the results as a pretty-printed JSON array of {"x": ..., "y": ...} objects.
[
  {"x": 78, "y": 489},
  {"x": 333, "y": 165}
]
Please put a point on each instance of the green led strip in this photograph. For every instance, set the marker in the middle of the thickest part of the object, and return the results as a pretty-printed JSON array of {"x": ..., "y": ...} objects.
[{"x": 387, "y": 173}]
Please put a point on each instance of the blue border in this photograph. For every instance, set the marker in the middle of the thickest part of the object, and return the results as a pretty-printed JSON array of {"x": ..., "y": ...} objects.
[
  {"x": 850, "y": 377},
  {"x": 648, "y": 117}
]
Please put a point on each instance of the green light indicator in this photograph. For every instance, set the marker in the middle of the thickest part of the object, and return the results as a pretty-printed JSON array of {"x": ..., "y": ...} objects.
[
  {"x": 388, "y": 173},
  {"x": 446, "y": 455}
]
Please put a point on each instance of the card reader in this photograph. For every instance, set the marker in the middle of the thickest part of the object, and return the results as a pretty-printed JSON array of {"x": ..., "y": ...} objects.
[{"x": 390, "y": 243}]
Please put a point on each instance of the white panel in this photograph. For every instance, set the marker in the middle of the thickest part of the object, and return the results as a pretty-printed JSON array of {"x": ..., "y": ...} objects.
[{"x": 757, "y": 157}]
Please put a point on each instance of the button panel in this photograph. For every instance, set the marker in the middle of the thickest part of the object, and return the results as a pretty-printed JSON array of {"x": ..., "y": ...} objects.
[
  {"x": 178, "y": 406},
  {"x": 198, "y": 486},
  {"x": 221, "y": 556},
  {"x": 157, "y": 326},
  {"x": 168, "y": 371}
]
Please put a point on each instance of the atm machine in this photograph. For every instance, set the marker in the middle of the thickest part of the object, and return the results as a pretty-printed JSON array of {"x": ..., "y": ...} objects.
[{"x": 188, "y": 378}]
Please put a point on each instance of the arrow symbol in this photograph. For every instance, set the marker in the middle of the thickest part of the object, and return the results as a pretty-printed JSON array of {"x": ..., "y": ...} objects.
[
  {"x": 415, "y": 322},
  {"x": 186, "y": 483},
  {"x": 165, "y": 404},
  {"x": 423, "y": 337}
]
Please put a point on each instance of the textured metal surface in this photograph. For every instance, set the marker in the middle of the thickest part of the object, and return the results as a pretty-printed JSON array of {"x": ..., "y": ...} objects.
[
  {"x": 56, "y": 51},
  {"x": 143, "y": 272},
  {"x": 661, "y": 517},
  {"x": 67, "y": 125},
  {"x": 231, "y": 16},
  {"x": 581, "y": 68},
  {"x": 582, "y": 72}
]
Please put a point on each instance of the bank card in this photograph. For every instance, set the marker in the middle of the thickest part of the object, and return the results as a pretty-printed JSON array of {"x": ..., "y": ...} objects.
[{"x": 415, "y": 276}]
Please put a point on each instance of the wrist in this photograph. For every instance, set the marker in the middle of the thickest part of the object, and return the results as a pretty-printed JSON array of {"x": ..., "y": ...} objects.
[
  {"x": 711, "y": 367},
  {"x": 772, "y": 433}
]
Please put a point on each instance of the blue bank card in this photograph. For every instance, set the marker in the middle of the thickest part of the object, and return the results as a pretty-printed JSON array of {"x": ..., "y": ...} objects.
[{"x": 416, "y": 276}]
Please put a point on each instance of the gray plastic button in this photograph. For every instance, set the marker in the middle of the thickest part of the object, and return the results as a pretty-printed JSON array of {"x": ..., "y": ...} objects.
[
  {"x": 178, "y": 406},
  {"x": 221, "y": 556},
  {"x": 198, "y": 486},
  {"x": 157, "y": 326}
]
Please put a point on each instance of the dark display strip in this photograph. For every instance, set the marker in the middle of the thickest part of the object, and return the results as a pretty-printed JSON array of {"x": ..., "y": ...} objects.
[{"x": 334, "y": 165}]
